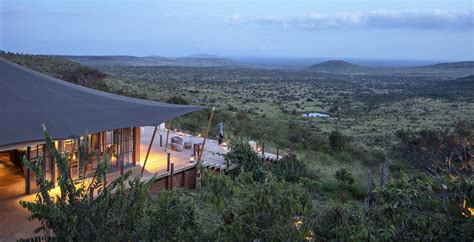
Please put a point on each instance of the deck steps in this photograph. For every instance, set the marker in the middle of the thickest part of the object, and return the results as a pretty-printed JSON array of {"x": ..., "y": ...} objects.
[{"x": 217, "y": 166}]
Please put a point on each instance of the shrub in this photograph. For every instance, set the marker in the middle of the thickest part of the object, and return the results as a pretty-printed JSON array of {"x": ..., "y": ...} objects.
[
  {"x": 266, "y": 212},
  {"x": 291, "y": 169},
  {"x": 421, "y": 208},
  {"x": 85, "y": 76},
  {"x": 337, "y": 141},
  {"x": 243, "y": 155},
  {"x": 344, "y": 176},
  {"x": 177, "y": 100},
  {"x": 438, "y": 151}
]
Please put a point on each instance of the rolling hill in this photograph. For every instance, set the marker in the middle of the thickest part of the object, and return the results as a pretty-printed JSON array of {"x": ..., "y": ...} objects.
[
  {"x": 453, "y": 69},
  {"x": 189, "y": 61},
  {"x": 337, "y": 66},
  {"x": 453, "y": 65}
]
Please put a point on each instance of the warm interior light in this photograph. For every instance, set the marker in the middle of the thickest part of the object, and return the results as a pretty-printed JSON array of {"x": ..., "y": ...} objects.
[
  {"x": 464, "y": 206},
  {"x": 298, "y": 221},
  {"x": 191, "y": 158}
]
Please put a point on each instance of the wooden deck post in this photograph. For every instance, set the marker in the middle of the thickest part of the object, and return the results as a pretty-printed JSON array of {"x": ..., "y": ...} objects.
[
  {"x": 168, "y": 162},
  {"x": 278, "y": 153},
  {"x": 207, "y": 133},
  {"x": 201, "y": 150},
  {"x": 78, "y": 157},
  {"x": 172, "y": 176},
  {"x": 136, "y": 145},
  {"x": 71, "y": 156},
  {"x": 168, "y": 134},
  {"x": 99, "y": 150},
  {"x": 148, "y": 151},
  {"x": 122, "y": 154},
  {"x": 183, "y": 180},
  {"x": 52, "y": 164},
  {"x": 28, "y": 174}
]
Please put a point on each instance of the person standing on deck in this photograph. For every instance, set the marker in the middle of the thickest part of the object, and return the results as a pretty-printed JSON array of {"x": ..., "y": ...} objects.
[{"x": 220, "y": 132}]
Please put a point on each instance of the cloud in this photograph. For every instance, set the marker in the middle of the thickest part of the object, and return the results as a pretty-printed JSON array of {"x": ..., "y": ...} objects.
[{"x": 417, "y": 20}]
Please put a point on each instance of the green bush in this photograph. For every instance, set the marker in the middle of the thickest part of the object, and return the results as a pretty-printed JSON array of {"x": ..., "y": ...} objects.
[
  {"x": 441, "y": 152},
  {"x": 291, "y": 169},
  {"x": 256, "y": 211},
  {"x": 344, "y": 176},
  {"x": 337, "y": 141},
  {"x": 243, "y": 155},
  {"x": 177, "y": 100},
  {"x": 405, "y": 209}
]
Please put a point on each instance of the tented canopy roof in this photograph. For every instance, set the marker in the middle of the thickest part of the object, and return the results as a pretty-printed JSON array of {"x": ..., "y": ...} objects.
[{"x": 29, "y": 99}]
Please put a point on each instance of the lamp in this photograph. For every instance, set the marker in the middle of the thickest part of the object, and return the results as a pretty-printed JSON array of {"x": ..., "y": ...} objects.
[{"x": 191, "y": 159}]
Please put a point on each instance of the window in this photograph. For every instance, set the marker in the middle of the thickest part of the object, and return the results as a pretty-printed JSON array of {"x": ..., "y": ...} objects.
[{"x": 119, "y": 142}]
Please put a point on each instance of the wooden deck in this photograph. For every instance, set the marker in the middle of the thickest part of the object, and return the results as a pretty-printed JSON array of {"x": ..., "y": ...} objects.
[
  {"x": 157, "y": 160},
  {"x": 14, "y": 224}
]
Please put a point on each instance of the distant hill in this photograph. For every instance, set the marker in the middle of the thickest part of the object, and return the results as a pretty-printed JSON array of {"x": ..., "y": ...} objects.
[
  {"x": 337, "y": 66},
  {"x": 462, "y": 64},
  {"x": 190, "y": 61},
  {"x": 334, "y": 64},
  {"x": 454, "y": 69},
  {"x": 205, "y": 56}
]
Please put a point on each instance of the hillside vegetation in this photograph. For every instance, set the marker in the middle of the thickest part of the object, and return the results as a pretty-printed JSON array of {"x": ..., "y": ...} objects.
[
  {"x": 61, "y": 68},
  {"x": 195, "y": 61},
  {"x": 393, "y": 162}
]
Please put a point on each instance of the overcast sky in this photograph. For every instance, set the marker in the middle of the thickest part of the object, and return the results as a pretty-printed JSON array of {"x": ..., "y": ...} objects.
[{"x": 377, "y": 29}]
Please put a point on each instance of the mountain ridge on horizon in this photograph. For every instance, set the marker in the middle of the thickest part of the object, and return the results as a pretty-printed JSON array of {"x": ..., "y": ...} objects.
[{"x": 337, "y": 66}]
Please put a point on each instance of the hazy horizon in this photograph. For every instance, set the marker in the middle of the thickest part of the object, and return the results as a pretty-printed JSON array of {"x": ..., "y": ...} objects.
[{"x": 416, "y": 30}]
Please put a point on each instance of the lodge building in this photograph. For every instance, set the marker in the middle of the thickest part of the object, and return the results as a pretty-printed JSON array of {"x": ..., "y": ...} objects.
[{"x": 72, "y": 114}]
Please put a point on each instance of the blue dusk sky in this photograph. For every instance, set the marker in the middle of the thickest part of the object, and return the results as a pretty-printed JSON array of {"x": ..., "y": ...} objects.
[{"x": 375, "y": 29}]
